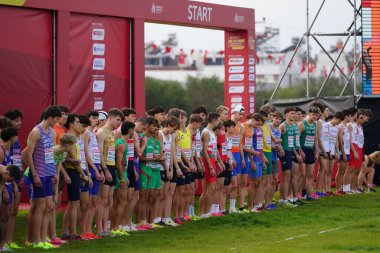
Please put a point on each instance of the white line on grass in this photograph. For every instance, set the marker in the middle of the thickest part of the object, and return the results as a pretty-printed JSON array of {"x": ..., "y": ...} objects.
[
  {"x": 304, "y": 235},
  {"x": 326, "y": 231}
]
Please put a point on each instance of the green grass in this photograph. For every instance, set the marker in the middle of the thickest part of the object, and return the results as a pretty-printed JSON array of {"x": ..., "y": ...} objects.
[{"x": 351, "y": 224}]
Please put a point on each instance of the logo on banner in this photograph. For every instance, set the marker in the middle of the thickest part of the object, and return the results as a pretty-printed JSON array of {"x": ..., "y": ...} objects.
[
  {"x": 251, "y": 69},
  {"x": 236, "y": 77},
  {"x": 239, "y": 19},
  {"x": 251, "y": 89},
  {"x": 98, "y": 33},
  {"x": 236, "y": 61},
  {"x": 251, "y": 99},
  {"x": 98, "y": 105},
  {"x": 98, "y": 49},
  {"x": 251, "y": 61},
  {"x": 157, "y": 9},
  {"x": 98, "y": 85},
  {"x": 236, "y": 89},
  {"x": 251, "y": 77},
  {"x": 236, "y": 69},
  {"x": 199, "y": 13},
  {"x": 236, "y": 99},
  {"x": 99, "y": 64}
]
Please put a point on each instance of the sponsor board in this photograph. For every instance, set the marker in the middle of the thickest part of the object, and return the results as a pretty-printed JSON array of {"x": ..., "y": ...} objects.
[
  {"x": 236, "y": 99},
  {"x": 251, "y": 61},
  {"x": 236, "y": 61},
  {"x": 236, "y": 43},
  {"x": 236, "y": 77},
  {"x": 236, "y": 89},
  {"x": 239, "y": 19},
  {"x": 251, "y": 69},
  {"x": 98, "y": 64},
  {"x": 156, "y": 9},
  {"x": 251, "y": 99},
  {"x": 233, "y": 105},
  {"x": 251, "y": 89},
  {"x": 251, "y": 105},
  {"x": 98, "y": 85},
  {"x": 199, "y": 13},
  {"x": 251, "y": 110},
  {"x": 236, "y": 69},
  {"x": 98, "y": 33},
  {"x": 252, "y": 77},
  {"x": 98, "y": 105},
  {"x": 98, "y": 49}
]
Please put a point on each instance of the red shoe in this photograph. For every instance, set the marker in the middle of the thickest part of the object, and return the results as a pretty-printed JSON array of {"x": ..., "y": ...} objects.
[
  {"x": 57, "y": 241},
  {"x": 338, "y": 194},
  {"x": 87, "y": 236},
  {"x": 342, "y": 192},
  {"x": 93, "y": 236},
  {"x": 148, "y": 226},
  {"x": 178, "y": 221},
  {"x": 217, "y": 214},
  {"x": 141, "y": 228},
  {"x": 187, "y": 218}
]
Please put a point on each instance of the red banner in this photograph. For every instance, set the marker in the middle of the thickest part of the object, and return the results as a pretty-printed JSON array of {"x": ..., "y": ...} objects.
[
  {"x": 26, "y": 63},
  {"x": 240, "y": 70},
  {"x": 99, "y": 63}
]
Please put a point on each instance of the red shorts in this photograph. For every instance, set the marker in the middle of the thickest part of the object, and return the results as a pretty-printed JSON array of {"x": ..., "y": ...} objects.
[
  {"x": 209, "y": 178},
  {"x": 356, "y": 163}
]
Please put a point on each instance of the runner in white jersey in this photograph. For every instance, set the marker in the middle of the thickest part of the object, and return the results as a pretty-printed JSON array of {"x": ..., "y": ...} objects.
[
  {"x": 333, "y": 150},
  {"x": 323, "y": 149}
]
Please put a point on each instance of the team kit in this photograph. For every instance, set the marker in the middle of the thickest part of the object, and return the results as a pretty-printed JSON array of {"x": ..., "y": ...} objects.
[{"x": 125, "y": 174}]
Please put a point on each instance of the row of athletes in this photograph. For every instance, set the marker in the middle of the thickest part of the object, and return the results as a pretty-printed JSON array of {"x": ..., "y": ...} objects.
[{"x": 115, "y": 165}]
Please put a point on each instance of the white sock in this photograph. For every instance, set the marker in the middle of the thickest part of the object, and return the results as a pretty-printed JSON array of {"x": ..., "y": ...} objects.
[
  {"x": 348, "y": 187},
  {"x": 232, "y": 204},
  {"x": 217, "y": 208}
]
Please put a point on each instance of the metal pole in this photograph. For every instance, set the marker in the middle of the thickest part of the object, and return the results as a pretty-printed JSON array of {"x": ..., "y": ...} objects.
[
  {"x": 308, "y": 49},
  {"x": 54, "y": 58},
  {"x": 355, "y": 72},
  {"x": 328, "y": 77},
  {"x": 352, "y": 74},
  {"x": 287, "y": 67}
]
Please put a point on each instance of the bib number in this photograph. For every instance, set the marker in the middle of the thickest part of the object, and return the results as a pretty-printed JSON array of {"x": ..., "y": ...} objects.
[
  {"x": 309, "y": 141},
  {"x": 260, "y": 143},
  {"x": 49, "y": 156},
  {"x": 111, "y": 154}
]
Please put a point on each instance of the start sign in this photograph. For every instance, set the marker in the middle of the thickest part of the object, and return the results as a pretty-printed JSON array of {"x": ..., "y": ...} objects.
[{"x": 199, "y": 13}]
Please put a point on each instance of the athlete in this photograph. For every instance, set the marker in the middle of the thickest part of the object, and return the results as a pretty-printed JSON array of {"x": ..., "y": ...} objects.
[
  {"x": 323, "y": 149},
  {"x": 367, "y": 171}
]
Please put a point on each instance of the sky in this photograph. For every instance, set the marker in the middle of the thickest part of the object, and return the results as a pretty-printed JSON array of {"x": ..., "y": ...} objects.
[{"x": 288, "y": 15}]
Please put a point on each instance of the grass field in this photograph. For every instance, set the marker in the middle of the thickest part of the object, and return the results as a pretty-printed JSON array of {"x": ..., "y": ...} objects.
[{"x": 336, "y": 224}]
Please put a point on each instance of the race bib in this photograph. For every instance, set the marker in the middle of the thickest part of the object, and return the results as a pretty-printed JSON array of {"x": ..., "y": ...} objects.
[
  {"x": 260, "y": 143},
  {"x": 268, "y": 139},
  {"x": 96, "y": 152},
  {"x": 16, "y": 159},
  {"x": 309, "y": 141},
  {"x": 224, "y": 149},
  {"x": 248, "y": 142},
  {"x": 178, "y": 153},
  {"x": 49, "y": 156},
  {"x": 111, "y": 154},
  {"x": 187, "y": 153},
  {"x": 131, "y": 150},
  {"x": 291, "y": 141},
  {"x": 298, "y": 141},
  {"x": 82, "y": 160},
  {"x": 235, "y": 141}
]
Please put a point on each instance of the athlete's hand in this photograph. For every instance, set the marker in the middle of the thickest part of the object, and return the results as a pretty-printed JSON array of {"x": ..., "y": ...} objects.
[
  {"x": 303, "y": 156},
  {"x": 234, "y": 164},
  {"x": 278, "y": 141},
  {"x": 316, "y": 155},
  {"x": 299, "y": 159},
  {"x": 192, "y": 167},
  {"x": 136, "y": 176},
  {"x": 266, "y": 160},
  {"x": 344, "y": 158},
  {"x": 55, "y": 179},
  {"x": 6, "y": 198},
  {"x": 169, "y": 175},
  {"x": 90, "y": 183},
  {"x": 15, "y": 191},
  {"x": 37, "y": 181},
  {"x": 179, "y": 173},
  {"x": 256, "y": 153},
  {"x": 243, "y": 165},
  {"x": 67, "y": 179},
  {"x": 356, "y": 155},
  {"x": 98, "y": 176},
  {"x": 108, "y": 176},
  {"x": 212, "y": 172},
  {"x": 336, "y": 157},
  {"x": 85, "y": 178},
  {"x": 123, "y": 184},
  {"x": 281, "y": 153},
  {"x": 253, "y": 166},
  {"x": 325, "y": 155},
  {"x": 75, "y": 161},
  {"x": 223, "y": 166}
]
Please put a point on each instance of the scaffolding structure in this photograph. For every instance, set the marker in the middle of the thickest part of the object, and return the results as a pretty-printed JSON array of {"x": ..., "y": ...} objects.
[{"x": 352, "y": 31}]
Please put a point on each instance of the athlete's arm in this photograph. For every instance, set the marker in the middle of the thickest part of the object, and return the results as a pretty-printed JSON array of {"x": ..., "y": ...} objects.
[
  {"x": 119, "y": 158},
  {"x": 340, "y": 142},
  {"x": 72, "y": 154},
  {"x": 34, "y": 136},
  {"x": 205, "y": 141},
  {"x": 101, "y": 137},
  {"x": 241, "y": 148}
]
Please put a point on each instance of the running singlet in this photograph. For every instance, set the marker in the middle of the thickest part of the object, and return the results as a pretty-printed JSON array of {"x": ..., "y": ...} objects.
[
  {"x": 267, "y": 138},
  {"x": 229, "y": 151},
  {"x": 59, "y": 131},
  {"x": 125, "y": 154},
  {"x": 156, "y": 165},
  {"x": 131, "y": 149},
  {"x": 325, "y": 136},
  {"x": 109, "y": 147},
  {"x": 346, "y": 139},
  {"x": 167, "y": 146},
  {"x": 246, "y": 141},
  {"x": 297, "y": 143},
  {"x": 93, "y": 148},
  {"x": 360, "y": 137},
  {"x": 308, "y": 135},
  {"x": 212, "y": 144},
  {"x": 16, "y": 154},
  {"x": 222, "y": 143},
  {"x": 196, "y": 144},
  {"x": 185, "y": 143},
  {"x": 257, "y": 142},
  {"x": 333, "y": 137},
  {"x": 79, "y": 155},
  {"x": 43, "y": 156},
  {"x": 277, "y": 134},
  {"x": 288, "y": 138},
  {"x": 236, "y": 139},
  {"x": 149, "y": 151},
  {"x": 7, "y": 157},
  {"x": 178, "y": 147}
]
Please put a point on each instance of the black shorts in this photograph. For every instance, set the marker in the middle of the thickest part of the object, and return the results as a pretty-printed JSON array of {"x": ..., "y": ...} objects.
[
  {"x": 295, "y": 158},
  {"x": 112, "y": 171},
  {"x": 164, "y": 178},
  {"x": 310, "y": 159},
  {"x": 174, "y": 178},
  {"x": 61, "y": 182},
  {"x": 131, "y": 174},
  {"x": 74, "y": 188},
  {"x": 286, "y": 160},
  {"x": 227, "y": 174}
]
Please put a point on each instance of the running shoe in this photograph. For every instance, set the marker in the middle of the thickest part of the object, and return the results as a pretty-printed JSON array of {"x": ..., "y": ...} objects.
[
  {"x": 57, "y": 241},
  {"x": 148, "y": 226},
  {"x": 93, "y": 236},
  {"x": 40, "y": 245},
  {"x": 270, "y": 207},
  {"x": 141, "y": 228},
  {"x": 77, "y": 238},
  {"x": 329, "y": 193},
  {"x": 5, "y": 249},
  {"x": 87, "y": 237},
  {"x": 299, "y": 202},
  {"x": 178, "y": 221},
  {"x": 51, "y": 246},
  {"x": 195, "y": 217},
  {"x": 219, "y": 214},
  {"x": 156, "y": 225},
  {"x": 28, "y": 244},
  {"x": 65, "y": 237},
  {"x": 255, "y": 210},
  {"x": 310, "y": 198},
  {"x": 13, "y": 245},
  {"x": 171, "y": 223},
  {"x": 360, "y": 190},
  {"x": 315, "y": 196},
  {"x": 244, "y": 211},
  {"x": 187, "y": 218},
  {"x": 288, "y": 204}
]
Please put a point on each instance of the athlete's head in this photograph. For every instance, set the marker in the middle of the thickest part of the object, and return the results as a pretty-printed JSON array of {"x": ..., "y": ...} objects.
[
  {"x": 158, "y": 113},
  {"x": 257, "y": 120},
  {"x": 353, "y": 112},
  {"x": 360, "y": 117},
  {"x": 51, "y": 115},
  {"x": 9, "y": 135},
  {"x": 346, "y": 114},
  {"x": 201, "y": 111},
  {"x": 290, "y": 113},
  {"x": 73, "y": 124},
  {"x": 102, "y": 119},
  {"x": 93, "y": 117},
  {"x": 172, "y": 124},
  {"x": 183, "y": 118},
  {"x": 218, "y": 129},
  {"x": 152, "y": 125},
  {"x": 265, "y": 115},
  {"x": 64, "y": 111},
  {"x": 213, "y": 119},
  {"x": 129, "y": 114},
  {"x": 368, "y": 115},
  {"x": 4, "y": 122},
  {"x": 223, "y": 112},
  {"x": 196, "y": 121},
  {"x": 115, "y": 117},
  {"x": 298, "y": 116},
  {"x": 229, "y": 126},
  {"x": 314, "y": 113},
  {"x": 15, "y": 117},
  {"x": 67, "y": 141},
  {"x": 85, "y": 122},
  {"x": 238, "y": 112},
  {"x": 127, "y": 128},
  {"x": 175, "y": 112},
  {"x": 375, "y": 157},
  {"x": 276, "y": 118},
  {"x": 269, "y": 109},
  {"x": 12, "y": 173},
  {"x": 319, "y": 105},
  {"x": 338, "y": 118},
  {"x": 141, "y": 125}
]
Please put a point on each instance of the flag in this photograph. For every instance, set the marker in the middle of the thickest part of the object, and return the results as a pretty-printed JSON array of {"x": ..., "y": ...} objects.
[
  {"x": 280, "y": 59},
  {"x": 311, "y": 67},
  {"x": 205, "y": 57},
  {"x": 168, "y": 50},
  {"x": 181, "y": 59},
  {"x": 324, "y": 71},
  {"x": 257, "y": 59},
  {"x": 303, "y": 68},
  {"x": 270, "y": 57}
]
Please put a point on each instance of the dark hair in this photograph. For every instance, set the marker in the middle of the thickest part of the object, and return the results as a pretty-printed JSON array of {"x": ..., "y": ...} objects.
[
  {"x": 248, "y": 116},
  {"x": 127, "y": 111},
  {"x": 142, "y": 120},
  {"x": 289, "y": 109},
  {"x": 297, "y": 109},
  {"x": 14, "y": 171},
  {"x": 155, "y": 110},
  {"x": 212, "y": 116},
  {"x": 13, "y": 114},
  {"x": 360, "y": 112},
  {"x": 195, "y": 118},
  {"x": 84, "y": 120},
  {"x": 229, "y": 123},
  {"x": 346, "y": 112},
  {"x": 368, "y": 113},
  {"x": 151, "y": 120},
  {"x": 319, "y": 105},
  {"x": 70, "y": 119},
  {"x": 263, "y": 113},
  {"x": 219, "y": 126},
  {"x": 258, "y": 117},
  {"x": 268, "y": 108},
  {"x": 7, "y": 133},
  {"x": 339, "y": 115},
  {"x": 126, "y": 126},
  {"x": 115, "y": 112},
  {"x": 92, "y": 114},
  {"x": 171, "y": 121},
  {"x": 175, "y": 112},
  {"x": 277, "y": 115},
  {"x": 199, "y": 109},
  {"x": 63, "y": 108},
  {"x": 329, "y": 118},
  {"x": 314, "y": 109},
  {"x": 4, "y": 122},
  {"x": 353, "y": 110},
  {"x": 52, "y": 111}
]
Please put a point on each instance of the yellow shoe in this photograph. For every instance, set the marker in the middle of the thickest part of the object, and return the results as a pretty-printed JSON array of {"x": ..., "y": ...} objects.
[{"x": 14, "y": 245}]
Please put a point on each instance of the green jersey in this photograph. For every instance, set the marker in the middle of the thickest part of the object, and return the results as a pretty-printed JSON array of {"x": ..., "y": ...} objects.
[
  {"x": 125, "y": 155},
  {"x": 288, "y": 138},
  {"x": 308, "y": 135}
]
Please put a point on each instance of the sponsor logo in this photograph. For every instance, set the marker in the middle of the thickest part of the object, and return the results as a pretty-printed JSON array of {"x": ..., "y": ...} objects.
[
  {"x": 98, "y": 85},
  {"x": 251, "y": 110},
  {"x": 236, "y": 69},
  {"x": 236, "y": 77},
  {"x": 251, "y": 105},
  {"x": 239, "y": 19},
  {"x": 252, "y": 77},
  {"x": 233, "y": 105},
  {"x": 251, "y": 61},
  {"x": 251, "y": 99},
  {"x": 98, "y": 64},
  {"x": 251, "y": 69},
  {"x": 98, "y": 33},
  {"x": 251, "y": 89},
  {"x": 98, "y": 49},
  {"x": 236, "y": 99},
  {"x": 236, "y": 61},
  {"x": 98, "y": 105},
  {"x": 156, "y": 9},
  {"x": 199, "y": 13},
  {"x": 236, "y": 89}
]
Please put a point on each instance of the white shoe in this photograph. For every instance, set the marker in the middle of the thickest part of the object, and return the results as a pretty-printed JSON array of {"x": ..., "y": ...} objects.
[
  {"x": 254, "y": 210},
  {"x": 170, "y": 222}
]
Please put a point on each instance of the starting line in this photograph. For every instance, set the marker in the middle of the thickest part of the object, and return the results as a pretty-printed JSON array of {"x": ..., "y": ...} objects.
[{"x": 305, "y": 235}]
